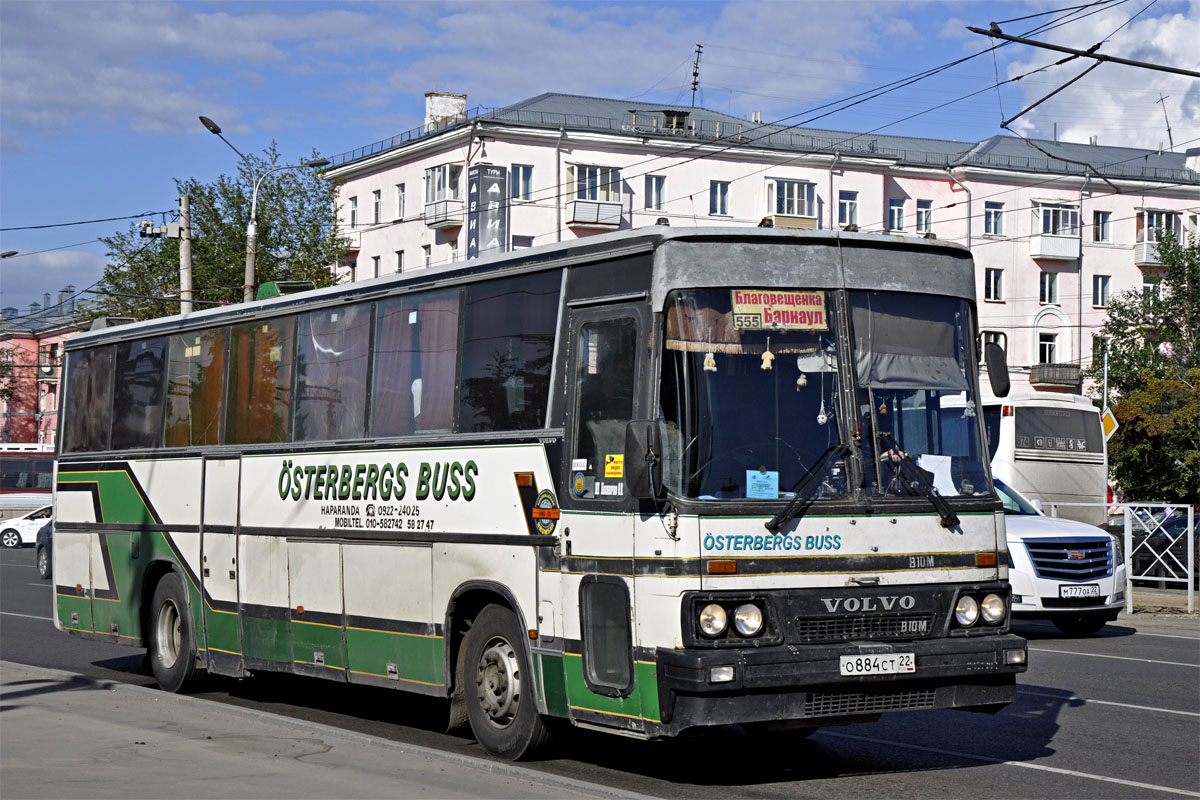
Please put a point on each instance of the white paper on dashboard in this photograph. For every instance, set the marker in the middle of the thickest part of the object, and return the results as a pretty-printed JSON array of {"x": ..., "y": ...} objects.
[{"x": 940, "y": 467}]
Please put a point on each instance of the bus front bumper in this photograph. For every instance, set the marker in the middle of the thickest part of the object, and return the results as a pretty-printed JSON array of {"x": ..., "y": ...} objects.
[{"x": 804, "y": 683}]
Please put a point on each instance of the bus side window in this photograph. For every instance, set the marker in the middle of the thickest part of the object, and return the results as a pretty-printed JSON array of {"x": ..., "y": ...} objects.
[
  {"x": 331, "y": 374},
  {"x": 138, "y": 394},
  {"x": 89, "y": 400},
  {"x": 604, "y": 378},
  {"x": 259, "y": 393},
  {"x": 416, "y": 346},
  {"x": 195, "y": 388}
]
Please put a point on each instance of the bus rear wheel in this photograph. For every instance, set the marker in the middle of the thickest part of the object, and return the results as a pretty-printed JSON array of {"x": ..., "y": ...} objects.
[
  {"x": 499, "y": 687},
  {"x": 172, "y": 644}
]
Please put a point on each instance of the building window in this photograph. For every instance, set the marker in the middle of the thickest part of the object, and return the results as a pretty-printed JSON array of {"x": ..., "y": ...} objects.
[
  {"x": 1048, "y": 288},
  {"x": 522, "y": 242},
  {"x": 656, "y": 187},
  {"x": 376, "y": 206},
  {"x": 993, "y": 284},
  {"x": 1100, "y": 226},
  {"x": 375, "y": 266},
  {"x": 895, "y": 215},
  {"x": 1047, "y": 347},
  {"x": 353, "y": 270},
  {"x": 718, "y": 198},
  {"x": 399, "y": 261},
  {"x": 1151, "y": 287},
  {"x": 522, "y": 182},
  {"x": 1055, "y": 220},
  {"x": 847, "y": 208},
  {"x": 1100, "y": 290},
  {"x": 426, "y": 255},
  {"x": 993, "y": 218},
  {"x": 353, "y": 212},
  {"x": 795, "y": 198},
  {"x": 601, "y": 184},
  {"x": 442, "y": 183},
  {"x": 453, "y": 250},
  {"x": 1099, "y": 345},
  {"x": 924, "y": 216},
  {"x": 996, "y": 338},
  {"x": 399, "y": 202},
  {"x": 1152, "y": 224}
]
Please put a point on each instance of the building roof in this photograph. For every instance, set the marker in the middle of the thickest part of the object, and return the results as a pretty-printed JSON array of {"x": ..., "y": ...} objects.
[
  {"x": 45, "y": 320},
  {"x": 637, "y": 119}
]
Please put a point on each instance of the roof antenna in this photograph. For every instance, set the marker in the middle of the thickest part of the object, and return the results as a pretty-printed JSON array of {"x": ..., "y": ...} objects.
[
  {"x": 1162, "y": 100},
  {"x": 696, "y": 74}
]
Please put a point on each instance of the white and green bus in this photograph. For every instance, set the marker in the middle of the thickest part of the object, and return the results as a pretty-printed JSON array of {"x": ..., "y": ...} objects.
[{"x": 647, "y": 482}]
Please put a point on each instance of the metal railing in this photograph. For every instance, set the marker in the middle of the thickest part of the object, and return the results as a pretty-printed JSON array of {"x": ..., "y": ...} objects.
[{"x": 1159, "y": 544}]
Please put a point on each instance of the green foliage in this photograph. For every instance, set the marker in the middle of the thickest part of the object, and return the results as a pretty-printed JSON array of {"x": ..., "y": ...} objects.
[
  {"x": 1154, "y": 381},
  {"x": 297, "y": 240}
]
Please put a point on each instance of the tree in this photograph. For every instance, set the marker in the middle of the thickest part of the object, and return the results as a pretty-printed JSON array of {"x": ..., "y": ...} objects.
[
  {"x": 1154, "y": 380},
  {"x": 297, "y": 240}
]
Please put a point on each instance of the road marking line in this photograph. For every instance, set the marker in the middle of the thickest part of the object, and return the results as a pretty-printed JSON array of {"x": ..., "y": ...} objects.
[
  {"x": 46, "y": 585},
  {"x": 26, "y": 616},
  {"x": 1165, "y": 636},
  {"x": 1119, "y": 658},
  {"x": 1073, "y": 698},
  {"x": 1026, "y": 765}
]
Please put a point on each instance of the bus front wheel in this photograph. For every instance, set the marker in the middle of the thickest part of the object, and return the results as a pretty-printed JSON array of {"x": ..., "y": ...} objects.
[
  {"x": 499, "y": 687},
  {"x": 172, "y": 645}
]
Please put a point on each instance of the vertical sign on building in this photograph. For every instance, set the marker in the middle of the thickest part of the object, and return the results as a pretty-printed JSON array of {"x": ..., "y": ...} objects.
[{"x": 487, "y": 210}]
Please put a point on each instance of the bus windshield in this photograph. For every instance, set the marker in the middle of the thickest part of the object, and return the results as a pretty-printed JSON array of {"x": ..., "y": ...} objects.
[{"x": 750, "y": 396}]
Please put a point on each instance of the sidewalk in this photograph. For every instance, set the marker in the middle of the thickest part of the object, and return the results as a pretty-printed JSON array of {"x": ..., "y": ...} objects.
[
  {"x": 1163, "y": 603},
  {"x": 66, "y": 735}
]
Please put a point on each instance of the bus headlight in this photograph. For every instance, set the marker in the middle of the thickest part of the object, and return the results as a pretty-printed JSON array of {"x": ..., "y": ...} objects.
[
  {"x": 967, "y": 611},
  {"x": 748, "y": 619},
  {"x": 713, "y": 620},
  {"x": 992, "y": 609}
]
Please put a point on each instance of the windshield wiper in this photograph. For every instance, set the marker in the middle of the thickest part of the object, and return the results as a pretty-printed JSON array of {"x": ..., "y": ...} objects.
[
  {"x": 919, "y": 477},
  {"x": 801, "y": 489}
]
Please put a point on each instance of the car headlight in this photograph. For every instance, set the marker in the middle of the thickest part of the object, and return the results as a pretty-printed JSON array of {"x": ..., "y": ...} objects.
[
  {"x": 748, "y": 619},
  {"x": 992, "y": 609},
  {"x": 713, "y": 620},
  {"x": 967, "y": 611},
  {"x": 1118, "y": 551}
]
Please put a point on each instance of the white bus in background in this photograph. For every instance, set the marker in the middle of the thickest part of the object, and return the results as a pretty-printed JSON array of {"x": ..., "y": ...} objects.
[{"x": 1050, "y": 447}]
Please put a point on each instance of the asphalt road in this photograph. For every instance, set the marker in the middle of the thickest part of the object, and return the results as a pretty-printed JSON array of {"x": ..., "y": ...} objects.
[{"x": 1113, "y": 716}]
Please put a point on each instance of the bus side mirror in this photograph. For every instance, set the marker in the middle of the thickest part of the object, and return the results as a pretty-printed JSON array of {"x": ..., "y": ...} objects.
[
  {"x": 643, "y": 459},
  {"x": 997, "y": 368}
]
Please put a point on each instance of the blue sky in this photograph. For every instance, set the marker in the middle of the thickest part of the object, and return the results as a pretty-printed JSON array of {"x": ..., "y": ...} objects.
[{"x": 99, "y": 100}]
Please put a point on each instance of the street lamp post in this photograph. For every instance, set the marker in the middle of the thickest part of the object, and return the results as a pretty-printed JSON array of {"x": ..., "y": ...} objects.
[{"x": 252, "y": 226}]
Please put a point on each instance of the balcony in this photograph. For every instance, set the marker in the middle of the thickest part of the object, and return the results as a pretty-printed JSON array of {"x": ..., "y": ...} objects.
[
  {"x": 1056, "y": 377},
  {"x": 444, "y": 214},
  {"x": 594, "y": 214},
  {"x": 793, "y": 222},
  {"x": 1053, "y": 247},
  {"x": 1145, "y": 254}
]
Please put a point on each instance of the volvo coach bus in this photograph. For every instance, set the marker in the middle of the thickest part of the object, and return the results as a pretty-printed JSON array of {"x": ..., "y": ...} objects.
[{"x": 648, "y": 482}]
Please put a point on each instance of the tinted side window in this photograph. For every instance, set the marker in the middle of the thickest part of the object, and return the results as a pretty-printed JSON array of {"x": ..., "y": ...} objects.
[
  {"x": 607, "y": 635},
  {"x": 138, "y": 394},
  {"x": 16, "y": 473},
  {"x": 415, "y": 356},
  {"x": 605, "y": 371},
  {"x": 331, "y": 374},
  {"x": 507, "y": 347},
  {"x": 259, "y": 394},
  {"x": 195, "y": 388},
  {"x": 89, "y": 400}
]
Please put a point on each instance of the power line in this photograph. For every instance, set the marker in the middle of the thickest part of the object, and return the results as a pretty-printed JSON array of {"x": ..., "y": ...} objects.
[
  {"x": 1089, "y": 53},
  {"x": 86, "y": 221}
]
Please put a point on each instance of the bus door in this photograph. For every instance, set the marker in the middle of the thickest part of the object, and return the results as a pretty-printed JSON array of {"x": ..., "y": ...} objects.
[
  {"x": 219, "y": 564},
  {"x": 606, "y": 363}
]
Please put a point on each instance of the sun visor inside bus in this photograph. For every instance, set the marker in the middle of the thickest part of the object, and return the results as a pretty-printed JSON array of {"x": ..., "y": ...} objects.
[{"x": 897, "y": 352}]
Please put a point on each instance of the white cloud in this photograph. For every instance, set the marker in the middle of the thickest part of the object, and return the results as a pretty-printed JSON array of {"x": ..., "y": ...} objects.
[{"x": 1119, "y": 104}]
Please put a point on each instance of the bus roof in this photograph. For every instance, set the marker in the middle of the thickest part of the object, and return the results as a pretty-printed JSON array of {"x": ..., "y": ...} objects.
[{"x": 587, "y": 249}]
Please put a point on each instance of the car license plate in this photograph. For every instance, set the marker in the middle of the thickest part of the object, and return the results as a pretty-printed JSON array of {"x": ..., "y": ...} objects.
[
  {"x": 1084, "y": 590},
  {"x": 878, "y": 664}
]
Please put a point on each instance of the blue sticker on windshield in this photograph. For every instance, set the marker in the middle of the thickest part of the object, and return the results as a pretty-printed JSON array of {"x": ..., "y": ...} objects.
[{"x": 762, "y": 484}]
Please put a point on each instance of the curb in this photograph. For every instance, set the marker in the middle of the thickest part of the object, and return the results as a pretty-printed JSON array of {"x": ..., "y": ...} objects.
[{"x": 503, "y": 768}]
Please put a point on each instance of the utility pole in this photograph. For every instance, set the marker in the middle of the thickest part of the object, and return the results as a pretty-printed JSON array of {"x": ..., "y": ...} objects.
[
  {"x": 185, "y": 254},
  {"x": 1163, "y": 101},
  {"x": 696, "y": 73}
]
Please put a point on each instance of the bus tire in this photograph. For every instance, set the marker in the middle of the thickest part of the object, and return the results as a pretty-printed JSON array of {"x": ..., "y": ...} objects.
[
  {"x": 498, "y": 684},
  {"x": 172, "y": 650},
  {"x": 1083, "y": 625}
]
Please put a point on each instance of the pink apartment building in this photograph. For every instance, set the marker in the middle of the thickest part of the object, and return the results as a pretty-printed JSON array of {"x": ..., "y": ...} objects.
[{"x": 1054, "y": 238}]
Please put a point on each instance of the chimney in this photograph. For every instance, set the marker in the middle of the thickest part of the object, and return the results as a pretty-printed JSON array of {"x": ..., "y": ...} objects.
[
  {"x": 69, "y": 298},
  {"x": 444, "y": 108},
  {"x": 8, "y": 312},
  {"x": 34, "y": 308},
  {"x": 46, "y": 301}
]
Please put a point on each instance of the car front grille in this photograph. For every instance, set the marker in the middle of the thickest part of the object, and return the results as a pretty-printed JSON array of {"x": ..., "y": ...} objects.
[{"x": 1071, "y": 559}]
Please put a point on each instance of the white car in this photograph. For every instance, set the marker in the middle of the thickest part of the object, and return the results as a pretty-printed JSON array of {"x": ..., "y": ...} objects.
[
  {"x": 1068, "y": 572},
  {"x": 23, "y": 530}
]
